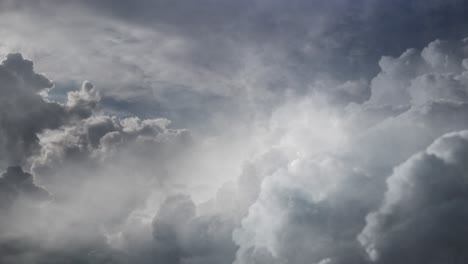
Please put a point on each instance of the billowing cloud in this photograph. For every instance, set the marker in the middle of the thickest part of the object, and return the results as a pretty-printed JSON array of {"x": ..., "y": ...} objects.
[
  {"x": 302, "y": 146},
  {"x": 309, "y": 193},
  {"x": 421, "y": 219},
  {"x": 25, "y": 113},
  {"x": 313, "y": 206},
  {"x": 72, "y": 149}
]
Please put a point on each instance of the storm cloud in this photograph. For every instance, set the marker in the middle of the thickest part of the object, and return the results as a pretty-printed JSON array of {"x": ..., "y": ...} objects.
[
  {"x": 25, "y": 113},
  {"x": 327, "y": 132}
]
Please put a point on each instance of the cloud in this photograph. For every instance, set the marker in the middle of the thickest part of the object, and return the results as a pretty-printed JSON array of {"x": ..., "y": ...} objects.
[
  {"x": 72, "y": 149},
  {"x": 20, "y": 198},
  {"x": 100, "y": 137},
  {"x": 318, "y": 171},
  {"x": 16, "y": 184},
  {"x": 100, "y": 155},
  {"x": 289, "y": 90},
  {"x": 306, "y": 214},
  {"x": 20, "y": 86},
  {"x": 183, "y": 237},
  {"x": 237, "y": 58},
  {"x": 421, "y": 219},
  {"x": 421, "y": 76},
  {"x": 313, "y": 205}
]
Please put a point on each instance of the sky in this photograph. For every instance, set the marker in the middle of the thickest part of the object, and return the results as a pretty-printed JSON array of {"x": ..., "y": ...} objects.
[{"x": 234, "y": 132}]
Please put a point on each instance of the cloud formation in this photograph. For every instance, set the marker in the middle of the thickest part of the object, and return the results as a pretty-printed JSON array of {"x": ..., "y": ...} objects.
[
  {"x": 421, "y": 219},
  {"x": 313, "y": 206},
  {"x": 320, "y": 188},
  {"x": 20, "y": 87},
  {"x": 73, "y": 149},
  {"x": 302, "y": 147}
]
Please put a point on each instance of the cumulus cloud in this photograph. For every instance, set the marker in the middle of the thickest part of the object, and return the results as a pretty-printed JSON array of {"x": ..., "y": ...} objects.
[
  {"x": 313, "y": 206},
  {"x": 72, "y": 149},
  {"x": 300, "y": 151},
  {"x": 306, "y": 213},
  {"x": 100, "y": 137},
  {"x": 421, "y": 219},
  {"x": 20, "y": 87},
  {"x": 421, "y": 76},
  {"x": 309, "y": 194},
  {"x": 118, "y": 163}
]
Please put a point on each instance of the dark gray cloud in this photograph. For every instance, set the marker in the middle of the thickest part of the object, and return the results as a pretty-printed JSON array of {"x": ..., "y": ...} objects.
[
  {"x": 25, "y": 113},
  {"x": 16, "y": 184},
  {"x": 19, "y": 86}
]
